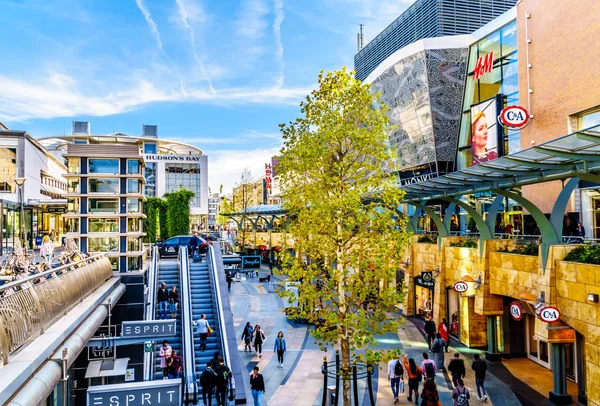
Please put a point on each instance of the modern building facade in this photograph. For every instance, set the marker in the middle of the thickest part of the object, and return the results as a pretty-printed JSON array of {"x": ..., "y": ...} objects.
[
  {"x": 213, "y": 210},
  {"x": 170, "y": 165},
  {"x": 104, "y": 201},
  {"x": 427, "y": 19}
]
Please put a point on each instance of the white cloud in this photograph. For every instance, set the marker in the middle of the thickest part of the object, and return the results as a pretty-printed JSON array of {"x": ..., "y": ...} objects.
[
  {"x": 251, "y": 21},
  {"x": 151, "y": 24},
  {"x": 226, "y": 166},
  {"x": 279, "y": 17}
]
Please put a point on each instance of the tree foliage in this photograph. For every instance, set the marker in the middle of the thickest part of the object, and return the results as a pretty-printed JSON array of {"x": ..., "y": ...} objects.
[
  {"x": 178, "y": 211},
  {"x": 342, "y": 204},
  {"x": 163, "y": 219},
  {"x": 151, "y": 210}
]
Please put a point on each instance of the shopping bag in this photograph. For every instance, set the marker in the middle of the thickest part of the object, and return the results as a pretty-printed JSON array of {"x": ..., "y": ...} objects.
[
  {"x": 209, "y": 332},
  {"x": 402, "y": 387}
]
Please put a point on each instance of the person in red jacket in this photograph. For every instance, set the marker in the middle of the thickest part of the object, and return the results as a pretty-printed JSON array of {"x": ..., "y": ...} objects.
[{"x": 443, "y": 330}]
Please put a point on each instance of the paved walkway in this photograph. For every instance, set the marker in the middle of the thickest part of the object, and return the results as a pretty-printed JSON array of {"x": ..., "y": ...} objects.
[{"x": 300, "y": 382}]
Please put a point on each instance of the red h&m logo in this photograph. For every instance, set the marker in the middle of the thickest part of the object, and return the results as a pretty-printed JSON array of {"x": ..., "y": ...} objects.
[{"x": 484, "y": 65}]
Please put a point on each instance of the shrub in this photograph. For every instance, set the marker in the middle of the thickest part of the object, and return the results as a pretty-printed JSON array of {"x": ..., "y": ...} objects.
[
  {"x": 468, "y": 243},
  {"x": 588, "y": 254},
  {"x": 427, "y": 239},
  {"x": 527, "y": 249}
]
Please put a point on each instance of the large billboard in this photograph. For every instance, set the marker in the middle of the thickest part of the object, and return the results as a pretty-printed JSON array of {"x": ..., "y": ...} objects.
[{"x": 485, "y": 131}]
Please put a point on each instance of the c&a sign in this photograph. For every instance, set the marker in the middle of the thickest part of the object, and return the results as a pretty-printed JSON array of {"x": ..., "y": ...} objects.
[
  {"x": 549, "y": 314},
  {"x": 514, "y": 117}
]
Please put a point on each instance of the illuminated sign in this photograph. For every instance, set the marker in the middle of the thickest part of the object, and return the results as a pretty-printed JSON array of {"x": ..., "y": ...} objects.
[
  {"x": 268, "y": 173},
  {"x": 461, "y": 286},
  {"x": 516, "y": 311},
  {"x": 485, "y": 64},
  {"x": 549, "y": 314},
  {"x": 514, "y": 117}
]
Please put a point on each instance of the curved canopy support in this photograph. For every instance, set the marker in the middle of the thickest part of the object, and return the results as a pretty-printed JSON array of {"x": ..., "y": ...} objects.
[
  {"x": 560, "y": 206},
  {"x": 448, "y": 216},
  {"x": 484, "y": 231},
  {"x": 493, "y": 213}
]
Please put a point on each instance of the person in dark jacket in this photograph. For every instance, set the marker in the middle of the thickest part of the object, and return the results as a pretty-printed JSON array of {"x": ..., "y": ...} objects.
[
  {"x": 257, "y": 384},
  {"x": 259, "y": 339},
  {"x": 480, "y": 368},
  {"x": 280, "y": 348},
  {"x": 229, "y": 280},
  {"x": 173, "y": 301},
  {"x": 429, "y": 394},
  {"x": 162, "y": 296},
  {"x": 580, "y": 230},
  {"x": 457, "y": 368},
  {"x": 194, "y": 243},
  {"x": 175, "y": 365},
  {"x": 223, "y": 380},
  {"x": 430, "y": 331},
  {"x": 208, "y": 380},
  {"x": 247, "y": 337}
]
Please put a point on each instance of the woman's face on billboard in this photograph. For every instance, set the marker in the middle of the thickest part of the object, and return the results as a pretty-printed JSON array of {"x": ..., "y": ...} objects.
[{"x": 480, "y": 132}]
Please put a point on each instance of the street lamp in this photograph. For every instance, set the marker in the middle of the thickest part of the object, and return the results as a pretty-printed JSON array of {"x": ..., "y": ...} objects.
[{"x": 20, "y": 182}]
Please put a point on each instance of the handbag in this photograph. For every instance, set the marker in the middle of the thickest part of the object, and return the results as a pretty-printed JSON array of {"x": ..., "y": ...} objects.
[{"x": 209, "y": 331}]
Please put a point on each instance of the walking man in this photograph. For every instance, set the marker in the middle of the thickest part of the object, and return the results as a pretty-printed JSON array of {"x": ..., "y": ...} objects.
[
  {"x": 208, "y": 379},
  {"x": 428, "y": 366},
  {"x": 457, "y": 368},
  {"x": 163, "y": 301},
  {"x": 480, "y": 368},
  {"x": 395, "y": 375},
  {"x": 229, "y": 280},
  {"x": 223, "y": 380},
  {"x": 430, "y": 331},
  {"x": 437, "y": 347},
  {"x": 202, "y": 326}
]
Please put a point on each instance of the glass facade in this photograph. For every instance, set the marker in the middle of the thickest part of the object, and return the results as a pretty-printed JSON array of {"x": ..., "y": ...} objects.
[
  {"x": 103, "y": 244},
  {"x": 149, "y": 148},
  {"x": 103, "y": 225},
  {"x": 107, "y": 185},
  {"x": 133, "y": 185},
  {"x": 8, "y": 169},
  {"x": 103, "y": 205},
  {"x": 501, "y": 79},
  {"x": 133, "y": 166},
  {"x": 73, "y": 165},
  {"x": 133, "y": 205},
  {"x": 97, "y": 165},
  {"x": 150, "y": 176},
  {"x": 72, "y": 225},
  {"x": 183, "y": 175},
  {"x": 133, "y": 225},
  {"x": 73, "y": 185},
  {"x": 73, "y": 205}
]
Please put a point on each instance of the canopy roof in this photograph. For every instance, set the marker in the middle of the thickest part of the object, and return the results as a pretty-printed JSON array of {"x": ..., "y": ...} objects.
[
  {"x": 260, "y": 210},
  {"x": 562, "y": 158}
]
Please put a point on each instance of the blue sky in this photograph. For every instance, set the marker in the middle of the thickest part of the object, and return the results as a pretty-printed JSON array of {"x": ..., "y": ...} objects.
[{"x": 219, "y": 74}]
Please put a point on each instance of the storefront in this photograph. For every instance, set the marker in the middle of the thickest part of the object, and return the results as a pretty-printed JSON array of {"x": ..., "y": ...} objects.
[
  {"x": 424, "y": 286},
  {"x": 453, "y": 311}
]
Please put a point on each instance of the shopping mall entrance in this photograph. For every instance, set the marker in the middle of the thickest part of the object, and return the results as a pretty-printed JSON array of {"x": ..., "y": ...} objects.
[{"x": 424, "y": 286}]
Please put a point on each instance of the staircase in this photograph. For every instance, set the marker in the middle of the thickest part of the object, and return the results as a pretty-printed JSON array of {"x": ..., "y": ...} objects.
[{"x": 168, "y": 272}]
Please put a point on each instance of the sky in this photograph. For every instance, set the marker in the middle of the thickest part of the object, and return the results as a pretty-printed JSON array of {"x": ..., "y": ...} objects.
[{"x": 217, "y": 74}]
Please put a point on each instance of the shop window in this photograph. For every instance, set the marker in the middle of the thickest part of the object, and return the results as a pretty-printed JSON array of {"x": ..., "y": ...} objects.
[
  {"x": 103, "y": 244},
  {"x": 133, "y": 205},
  {"x": 97, "y": 165},
  {"x": 73, "y": 165},
  {"x": 133, "y": 263},
  {"x": 133, "y": 166},
  {"x": 103, "y": 225},
  {"x": 103, "y": 205},
  {"x": 133, "y": 186},
  {"x": 133, "y": 225},
  {"x": 73, "y": 205},
  {"x": 133, "y": 244},
  {"x": 72, "y": 225},
  {"x": 108, "y": 185}
]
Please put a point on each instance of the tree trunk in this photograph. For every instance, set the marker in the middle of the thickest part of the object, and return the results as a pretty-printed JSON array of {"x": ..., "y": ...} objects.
[{"x": 346, "y": 371}]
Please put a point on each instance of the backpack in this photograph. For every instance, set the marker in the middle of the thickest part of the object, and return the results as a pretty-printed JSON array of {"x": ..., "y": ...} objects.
[
  {"x": 435, "y": 347},
  {"x": 398, "y": 370},
  {"x": 207, "y": 378},
  {"x": 462, "y": 399},
  {"x": 429, "y": 371}
]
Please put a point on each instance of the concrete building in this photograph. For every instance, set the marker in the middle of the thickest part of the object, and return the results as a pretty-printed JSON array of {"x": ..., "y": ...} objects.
[
  {"x": 213, "y": 210},
  {"x": 250, "y": 194}
]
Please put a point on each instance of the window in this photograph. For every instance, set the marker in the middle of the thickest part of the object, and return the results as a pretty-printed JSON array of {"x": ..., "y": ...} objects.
[
  {"x": 114, "y": 263},
  {"x": 150, "y": 176},
  {"x": 103, "y": 244},
  {"x": 133, "y": 166},
  {"x": 103, "y": 225},
  {"x": 73, "y": 185},
  {"x": 98, "y": 165},
  {"x": 589, "y": 120},
  {"x": 108, "y": 185},
  {"x": 133, "y": 263},
  {"x": 72, "y": 225},
  {"x": 73, "y": 165},
  {"x": 133, "y": 186},
  {"x": 103, "y": 205},
  {"x": 149, "y": 148},
  {"x": 133, "y": 225},
  {"x": 73, "y": 205},
  {"x": 133, "y": 244},
  {"x": 8, "y": 169},
  {"x": 178, "y": 175},
  {"x": 80, "y": 141},
  {"x": 133, "y": 205}
]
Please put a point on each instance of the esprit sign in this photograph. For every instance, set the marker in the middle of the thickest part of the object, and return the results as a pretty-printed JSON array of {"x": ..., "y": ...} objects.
[
  {"x": 461, "y": 287},
  {"x": 514, "y": 117},
  {"x": 485, "y": 64},
  {"x": 549, "y": 314},
  {"x": 164, "y": 393},
  {"x": 516, "y": 311},
  {"x": 149, "y": 328}
]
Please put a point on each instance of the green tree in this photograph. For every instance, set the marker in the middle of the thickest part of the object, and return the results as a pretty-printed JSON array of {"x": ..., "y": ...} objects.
[
  {"x": 226, "y": 207},
  {"x": 342, "y": 205},
  {"x": 178, "y": 211},
  {"x": 151, "y": 210}
]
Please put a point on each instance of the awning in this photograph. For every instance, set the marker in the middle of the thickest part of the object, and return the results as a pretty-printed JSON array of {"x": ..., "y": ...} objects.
[
  {"x": 52, "y": 189},
  {"x": 262, "y": 209}
]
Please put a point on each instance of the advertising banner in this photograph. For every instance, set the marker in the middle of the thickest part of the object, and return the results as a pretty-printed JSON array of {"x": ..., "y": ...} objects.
[{"x": 486, "y": 134}]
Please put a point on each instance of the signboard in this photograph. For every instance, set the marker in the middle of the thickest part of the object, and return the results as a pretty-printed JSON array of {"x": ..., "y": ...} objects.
[
  {"x": 516, "y": 311},
  {"x": 130, "y": 375},
  {"x": 425, "y": 280},
  {"x": 292, "y": 287},
  {"x": 172, "y": 158},
  {"x": 485, "y": 64},
  {"x": 549, "y": 314},
  {"x": 268, "y": 174},
  {"x": 149, "y": 328},
  {"x": 485, "y": 131},
  {"x": 514, "y": 117},
  {"x": 149, "y": 346},
  {"x": 461, "y": 286},
  {"x": 164, "y": 392},
  {"x": 251, "y": 262}
]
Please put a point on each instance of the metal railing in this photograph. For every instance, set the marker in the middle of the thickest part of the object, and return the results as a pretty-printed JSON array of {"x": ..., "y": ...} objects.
[
  {"x": 32, "y": 304},
  {"x": 150, "y": 311},
  {"x": 190, "y": 386}
]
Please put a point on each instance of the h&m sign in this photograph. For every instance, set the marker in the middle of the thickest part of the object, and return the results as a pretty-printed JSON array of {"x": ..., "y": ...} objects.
[{"x": 485, "y": 64}]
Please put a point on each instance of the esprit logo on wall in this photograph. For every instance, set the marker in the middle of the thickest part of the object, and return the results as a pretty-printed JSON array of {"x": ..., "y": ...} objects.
[
  {"x": 516, "y": 311},
  {"x": 485, "y": 64},
  {"x": 514, "y": 117},
  {"x": 549, "y": 314},
  {"x": 461, "y": 287}
]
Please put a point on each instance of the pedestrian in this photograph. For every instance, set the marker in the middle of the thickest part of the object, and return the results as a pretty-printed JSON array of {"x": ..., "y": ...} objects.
[
  {"x": 163, "y": 299},
  {"x": 428, "y": 366},
  {"x": 429, "y": 394},
  {"x": 259, "y": 339},
  {"x": 280, "y": 348},
  {"x": 194, "y": 243},
  {"x": 437, "y": 347},
  {"x": 247, "y": 337},
  {"x": 460, "y": 394},
  {"x": 173, "y": 301},
  {"x": 430, "y": 331},
  {"x": 457, "y": 368},
  {"x": 165, "y": 353},
  {"x": 229, "y": 280},
  {"x": 208, "y": 379},
  {"x": 443, "y": 330},
  {"x": 257, "y": 384},
  {"x": 223, "y": 380},
  {"x": 47, "y": 249},
  {"x": 395, "y": 375},
  {"x": 215, "y": 359},
  {"x": 175, "y": 364},
  {"x": 203, "y": 328},
  {"x": 480, "y": 368},
  {"x": 415, "y": 375}
]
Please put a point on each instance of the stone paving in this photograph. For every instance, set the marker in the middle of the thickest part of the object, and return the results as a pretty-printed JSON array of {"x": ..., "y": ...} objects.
[{"x": 300, "y": 382}]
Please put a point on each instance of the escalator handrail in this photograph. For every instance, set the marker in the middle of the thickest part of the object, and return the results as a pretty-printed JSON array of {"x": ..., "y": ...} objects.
[
  {"x": 190, "y": 390},
  {"x": 216, "y": 292},
  {"x": 149, "y": 312}
]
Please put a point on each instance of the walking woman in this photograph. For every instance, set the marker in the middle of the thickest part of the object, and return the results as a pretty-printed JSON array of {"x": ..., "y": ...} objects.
[
  {"x": 259, "y": 339},
  {"x": 280, "y": 348},
  {"x": 443, "y": 330},
  {"x": 257, "y": 385},
  {"x": 429, "y": 395},
  {"x": 415, "y": 375},
  {"x": 165, "y": 354},
  {"x": 202, "y": 325},
  {"x": 173, "y": 301},
  {"x": 247, "y": 337}
]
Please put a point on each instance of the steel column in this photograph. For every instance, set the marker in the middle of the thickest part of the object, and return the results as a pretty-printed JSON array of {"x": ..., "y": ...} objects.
[{"x": 484, "y": 231}]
